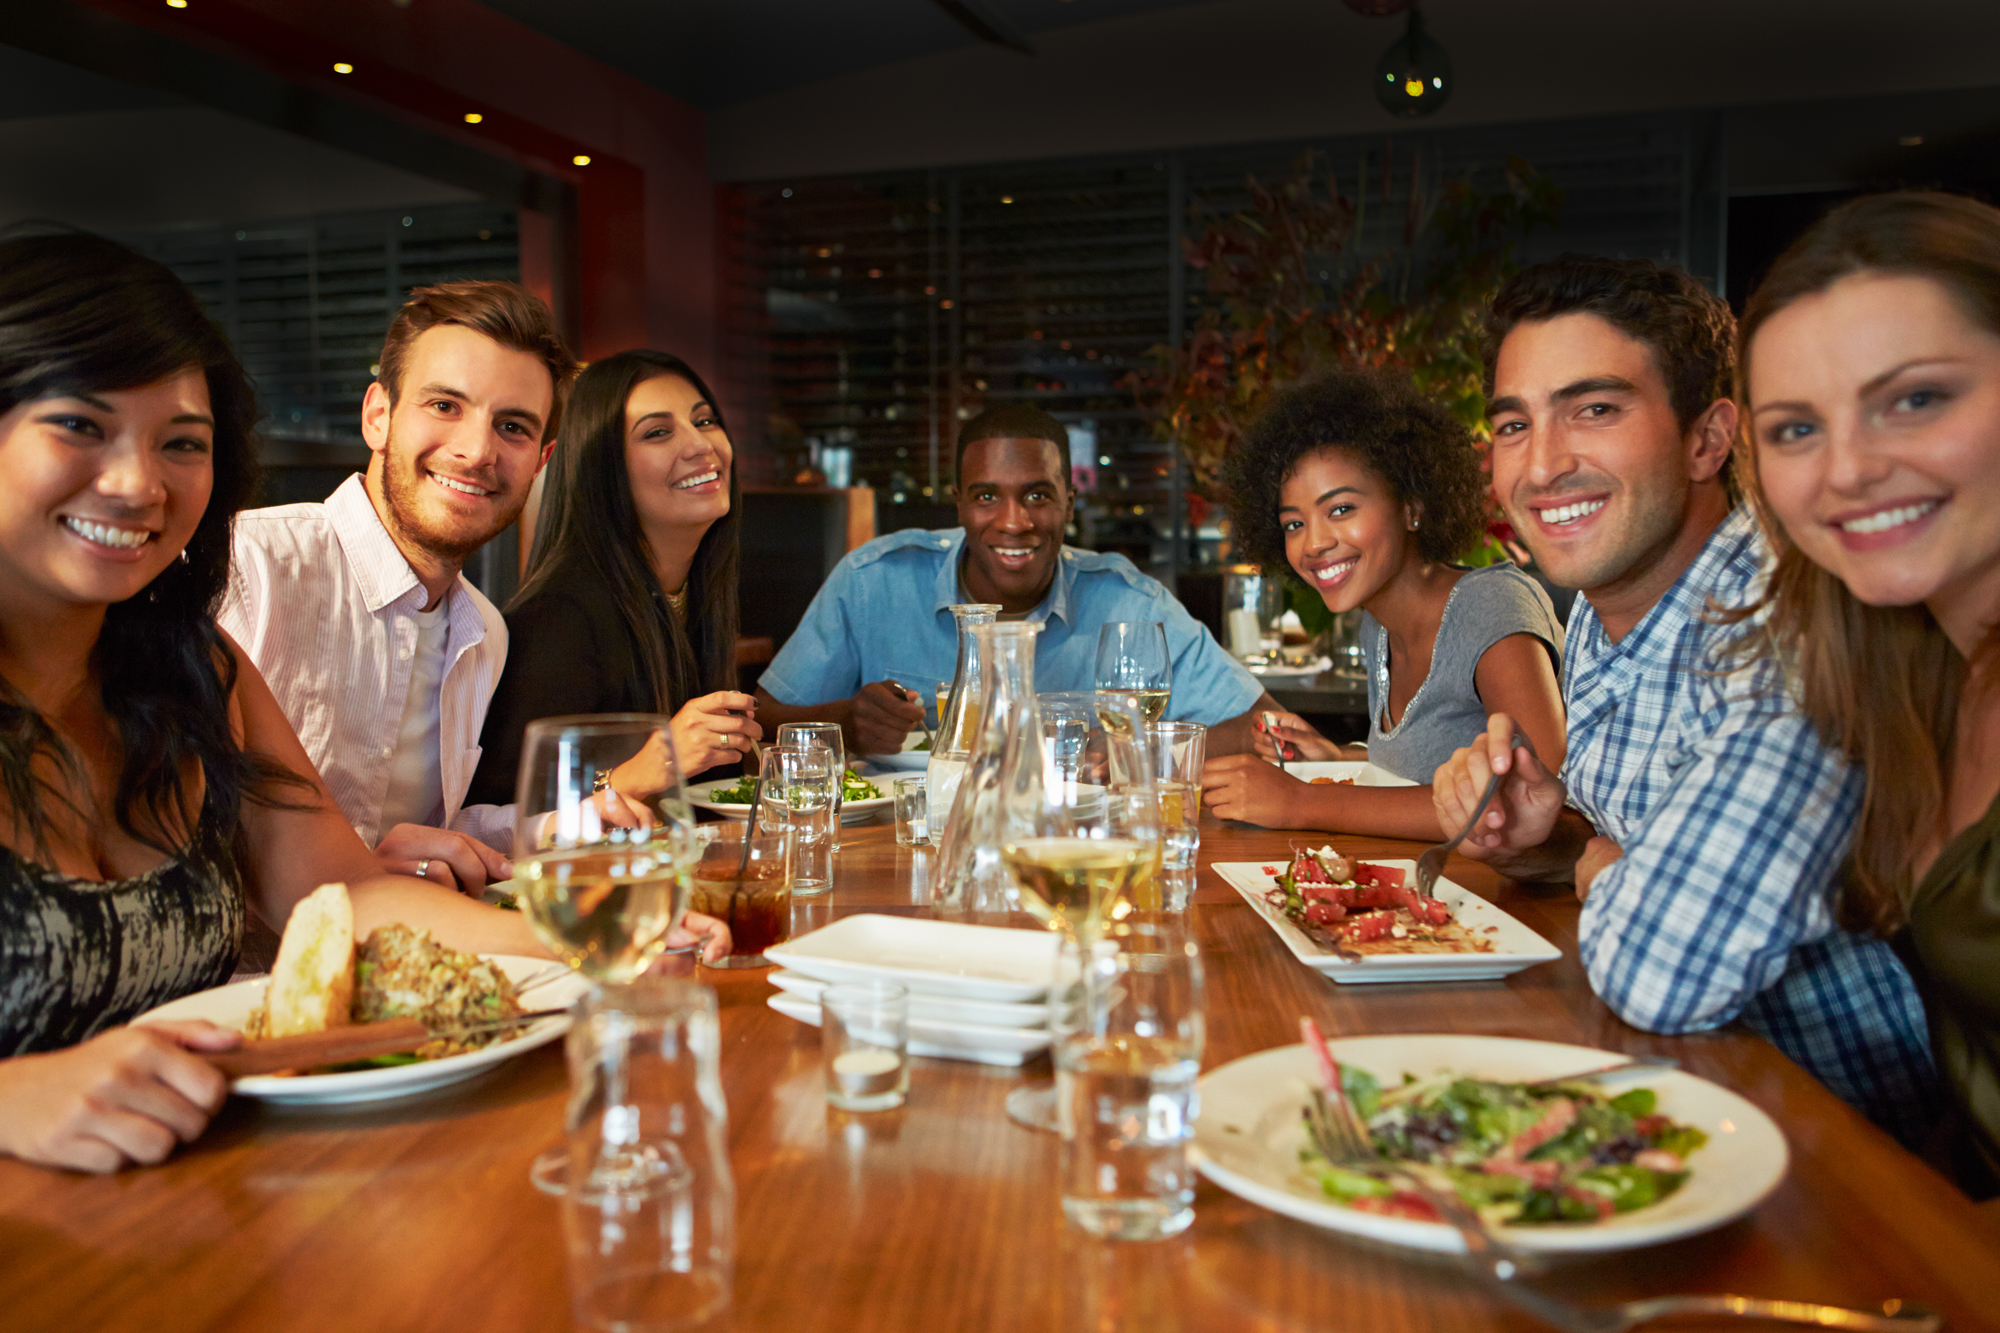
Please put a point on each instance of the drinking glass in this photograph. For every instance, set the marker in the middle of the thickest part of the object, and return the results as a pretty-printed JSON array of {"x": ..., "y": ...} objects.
[
  {"x": 1177, "y": 751},
  {"x": 826, "y": 734},
  {"x": 749, "y": 888},
  {"x": 1068, "y": 719},
  {"x": 864, "y": 1031},
  {"x": 604, "y": 838},
  {"x": 912, "y": 814},
  {"x": 1126, "y": 1060},
  {"x": 1084, "y": 854},
  {"x": 807, "y": 780},
  {"x": 649, "y": 1210},
  {"x": 1132, "y": 659}
]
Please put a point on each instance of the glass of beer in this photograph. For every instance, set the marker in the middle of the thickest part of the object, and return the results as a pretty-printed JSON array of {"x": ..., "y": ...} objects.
[{"x": 750, "y": 890}]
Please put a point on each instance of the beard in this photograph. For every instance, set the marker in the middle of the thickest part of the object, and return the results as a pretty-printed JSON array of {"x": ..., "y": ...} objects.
[{"x": 414, "y": 514}]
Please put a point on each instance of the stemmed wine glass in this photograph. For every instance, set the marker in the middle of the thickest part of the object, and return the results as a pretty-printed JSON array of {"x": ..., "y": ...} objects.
[
  {"x": 604, "y": 842},
  {"x": 1082, "y": 856},
  {"x": 1132, "y": 659}
]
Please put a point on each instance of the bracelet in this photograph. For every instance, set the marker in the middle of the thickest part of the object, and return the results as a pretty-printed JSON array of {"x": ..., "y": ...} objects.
[{"x": 601, "y": 781}]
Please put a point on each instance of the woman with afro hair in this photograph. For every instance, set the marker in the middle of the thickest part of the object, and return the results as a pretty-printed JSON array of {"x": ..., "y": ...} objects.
[{"x": 1367, "y": 491}]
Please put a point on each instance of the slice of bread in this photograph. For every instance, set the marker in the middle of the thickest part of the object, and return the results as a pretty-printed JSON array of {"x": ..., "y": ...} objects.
[{"x": 312, "y": 983}]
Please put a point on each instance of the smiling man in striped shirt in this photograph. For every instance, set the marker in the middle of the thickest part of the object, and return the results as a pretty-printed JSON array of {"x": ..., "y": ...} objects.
[{"x": 1698, "y": 813}]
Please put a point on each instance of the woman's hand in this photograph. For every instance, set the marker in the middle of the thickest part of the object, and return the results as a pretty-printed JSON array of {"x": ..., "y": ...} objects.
[
  {"x": 1242, "y": 786},
  {"x": 127, "y": 1096},
  {"x": 713, "y": 935},
  {"x": 714, "y": 729},
  {"x": 1296, "y": 734}
]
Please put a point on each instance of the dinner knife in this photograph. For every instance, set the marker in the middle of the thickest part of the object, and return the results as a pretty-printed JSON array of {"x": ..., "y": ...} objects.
[{"x": 355, "y": 1041}]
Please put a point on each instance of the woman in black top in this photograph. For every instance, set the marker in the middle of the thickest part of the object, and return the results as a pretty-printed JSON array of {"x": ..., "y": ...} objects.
[
  {"x": 630, "y": 599},
  {"x": 152, "y": 794}
]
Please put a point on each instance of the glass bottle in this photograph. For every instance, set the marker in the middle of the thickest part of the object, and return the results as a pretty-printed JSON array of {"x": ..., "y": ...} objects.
[
  {"x": 1003, "y": 771},
  {"x": 958, "y": 723}
]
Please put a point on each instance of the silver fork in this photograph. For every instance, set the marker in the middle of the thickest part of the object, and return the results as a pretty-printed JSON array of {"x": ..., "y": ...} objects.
[
  {"x": 1431, "y": 864},
  {"x": 1339, "y": 1137}
]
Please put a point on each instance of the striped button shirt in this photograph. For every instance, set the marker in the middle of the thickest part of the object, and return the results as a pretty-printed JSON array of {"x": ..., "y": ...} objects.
[
  {"x": 1734, "y": 819},
  {"x": 324, "y": 602}
]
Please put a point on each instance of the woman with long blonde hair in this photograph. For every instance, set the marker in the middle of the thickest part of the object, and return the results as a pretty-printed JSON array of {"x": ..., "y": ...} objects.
[{"x": 1871, "y": 365}]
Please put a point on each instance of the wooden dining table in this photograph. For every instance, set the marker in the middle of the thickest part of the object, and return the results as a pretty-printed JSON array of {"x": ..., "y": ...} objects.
[{"x": 944, "y": 1215}]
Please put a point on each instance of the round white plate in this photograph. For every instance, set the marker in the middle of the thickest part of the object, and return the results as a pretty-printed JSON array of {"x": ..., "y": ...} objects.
[
  {"x": 853, "y": 812},
  {"x": 230, "y": 1006},
  {"x": 908, "y": 761},
  {"x": 1249, "y": 1135}
]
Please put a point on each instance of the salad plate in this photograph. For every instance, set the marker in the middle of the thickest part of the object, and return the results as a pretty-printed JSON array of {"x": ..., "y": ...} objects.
[
  {"x": 944, "y": 1040},
  {"x": 231, "y": 1006},
  {"x": 910, "y": 759},
  {"x": 1515, "y": 946},
  {"x": 1250, "y": 1134},
  {"x": 980, "y": 1013},
  {"x": 1358, "y": 772},
  {"x": 948, "y": 958},
  {"x": 702, "y": 794}
]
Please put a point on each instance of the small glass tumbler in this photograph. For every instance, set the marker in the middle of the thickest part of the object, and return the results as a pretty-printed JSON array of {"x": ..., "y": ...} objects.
[
  {"x": 864, "y": 1029},
  {"x": 649, "y": 1206},
  {"x": 827, "y": 735},
  {"x": 913, "y": 827},
  {"x": 1178, "y": 751},
  {"x": 807, "y": 781},
  {"x": 1068, "y": 719},
  {"x": 1126, "y": 1060},
  {"x": 750, "y": 891}
]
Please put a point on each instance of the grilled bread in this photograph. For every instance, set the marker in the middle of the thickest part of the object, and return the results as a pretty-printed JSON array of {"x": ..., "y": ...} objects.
[{"x": 312, "y": 983}]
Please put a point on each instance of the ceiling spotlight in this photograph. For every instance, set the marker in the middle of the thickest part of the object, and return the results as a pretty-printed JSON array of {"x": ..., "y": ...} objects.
[
  {"x": 177, "y": 4},
  {"x": 581, "y": 159},
  {"x": 342, "y": 67},
  {"x": 1413, "y": 77},
  {"x": 473, "y": 117}
]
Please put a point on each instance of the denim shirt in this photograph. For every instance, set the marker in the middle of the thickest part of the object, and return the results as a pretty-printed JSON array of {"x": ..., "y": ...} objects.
[{"x": 885, "y": 613}]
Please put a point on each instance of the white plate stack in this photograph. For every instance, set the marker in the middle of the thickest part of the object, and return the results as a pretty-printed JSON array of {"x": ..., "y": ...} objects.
[{"x": 976, "y": 992}]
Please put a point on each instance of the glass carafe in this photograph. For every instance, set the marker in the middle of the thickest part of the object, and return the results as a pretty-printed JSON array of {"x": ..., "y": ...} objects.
[
  {"x": 1004, "y": 768},
  {"x": 958, "y": 722}
]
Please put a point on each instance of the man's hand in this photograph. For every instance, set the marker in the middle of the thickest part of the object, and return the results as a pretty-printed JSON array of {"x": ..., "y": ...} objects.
[
  {"x": 1298, "y": 736},
  {"x": 1242, "y": 786},
  {"x": 127, "y": 1096},
  {"x": 1523, "y": 812},
  {"x": 443, "y": 857},
  {"x": 884, "y": 715},
  {"x": 714, "y": 729},
  {"x": 713, "y": 935},
  {"x": 1598, "y": 854}
]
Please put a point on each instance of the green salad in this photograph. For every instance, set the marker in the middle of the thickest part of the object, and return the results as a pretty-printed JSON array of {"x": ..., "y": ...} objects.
[
  {"x": 1519, "y": 1153},
  {"x": 853, "y": 787}
]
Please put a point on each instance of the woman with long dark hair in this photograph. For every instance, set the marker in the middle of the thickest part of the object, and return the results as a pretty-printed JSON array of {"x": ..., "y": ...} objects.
[
  {"x": 1871, "y": 364},
  {"x": 152, "y": 794},
  {"x": 630, "y": 599}
]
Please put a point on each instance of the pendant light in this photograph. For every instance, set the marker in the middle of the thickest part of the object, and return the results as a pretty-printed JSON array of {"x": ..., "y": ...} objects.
[{"x": 1413, "y": 77}]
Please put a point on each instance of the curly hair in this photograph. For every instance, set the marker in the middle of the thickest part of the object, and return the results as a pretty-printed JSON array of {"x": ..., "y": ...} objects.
[{"x": 1425, "y": 456}]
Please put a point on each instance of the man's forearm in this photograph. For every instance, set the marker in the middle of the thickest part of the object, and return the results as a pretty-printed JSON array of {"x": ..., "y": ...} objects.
[{"x": 1552, "y": 860}]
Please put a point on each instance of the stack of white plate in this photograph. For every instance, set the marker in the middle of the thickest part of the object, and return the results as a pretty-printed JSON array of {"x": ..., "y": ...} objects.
[{"x": 976, "y": 992}]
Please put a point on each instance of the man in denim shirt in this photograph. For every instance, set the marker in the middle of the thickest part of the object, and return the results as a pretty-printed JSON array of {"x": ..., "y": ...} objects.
[{"x": 883, "y": 619}]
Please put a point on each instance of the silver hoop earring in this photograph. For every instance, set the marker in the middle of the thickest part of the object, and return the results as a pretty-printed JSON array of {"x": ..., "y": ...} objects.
[{"x": 184, "y": 556}]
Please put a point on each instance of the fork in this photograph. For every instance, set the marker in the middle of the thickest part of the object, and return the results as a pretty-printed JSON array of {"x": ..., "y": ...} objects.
[
  {"x": 1431, "y": 864},
  {"x": 1271, "y": 730},
  {"x": 1339, "y": 1136}
]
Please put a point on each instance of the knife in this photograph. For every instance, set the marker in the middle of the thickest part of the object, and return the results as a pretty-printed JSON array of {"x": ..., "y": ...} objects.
[{"x": 355, "y": 1041}]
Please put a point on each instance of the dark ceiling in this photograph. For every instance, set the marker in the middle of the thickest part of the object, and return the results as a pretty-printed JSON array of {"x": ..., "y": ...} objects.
[{"x": 717, "y": 52}]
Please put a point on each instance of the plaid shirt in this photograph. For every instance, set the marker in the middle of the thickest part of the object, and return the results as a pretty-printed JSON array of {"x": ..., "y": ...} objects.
[{"x": 1734, "y": 819}]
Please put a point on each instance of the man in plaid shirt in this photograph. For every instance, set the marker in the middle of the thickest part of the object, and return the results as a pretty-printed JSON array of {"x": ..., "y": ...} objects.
[{"x": 1700, "y": 816}]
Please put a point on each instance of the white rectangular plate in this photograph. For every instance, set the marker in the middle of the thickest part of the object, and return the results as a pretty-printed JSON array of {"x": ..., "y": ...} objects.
[
  {"x": 1514, "y": 945},
  {"x": 945, "y": 1041},
  {"x": 1345, "y": 770},
  {"x": 981, "y": 1013},
  {"x": 930, "y": 957}
]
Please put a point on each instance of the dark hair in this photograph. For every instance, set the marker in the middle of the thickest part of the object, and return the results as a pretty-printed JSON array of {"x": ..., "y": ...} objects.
[
  {"x": 1424, "y": 455},
  {"x": 83, "y": 315},
  {"x": 506, "y": 312},
  {"x": 1881, "y": 682},
  {"x": 588, "y": 518},
  {"x": 1015, "y": 421},
  {"x": 1687, "y": 327}
]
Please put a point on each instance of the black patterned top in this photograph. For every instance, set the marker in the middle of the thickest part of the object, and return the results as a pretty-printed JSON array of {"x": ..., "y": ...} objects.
[{"x": 78, "y": 956}]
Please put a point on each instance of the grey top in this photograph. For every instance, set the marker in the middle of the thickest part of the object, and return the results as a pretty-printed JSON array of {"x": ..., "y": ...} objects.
[{"x": 1485, "y": 606}]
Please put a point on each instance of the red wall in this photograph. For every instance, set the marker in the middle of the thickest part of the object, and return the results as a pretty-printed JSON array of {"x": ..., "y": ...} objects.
[{"x": 646, "y": 242}]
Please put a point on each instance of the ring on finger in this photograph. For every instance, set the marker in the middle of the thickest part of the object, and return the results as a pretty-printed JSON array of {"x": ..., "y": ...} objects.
[{"x": 423, "y": 870}]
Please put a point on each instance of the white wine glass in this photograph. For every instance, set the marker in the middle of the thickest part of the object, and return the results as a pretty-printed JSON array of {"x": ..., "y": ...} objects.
[
  {"x": 1132, "y": 659},
  {"x": 1084, "y": 855},
  {"x": 604, "y": 842}
]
